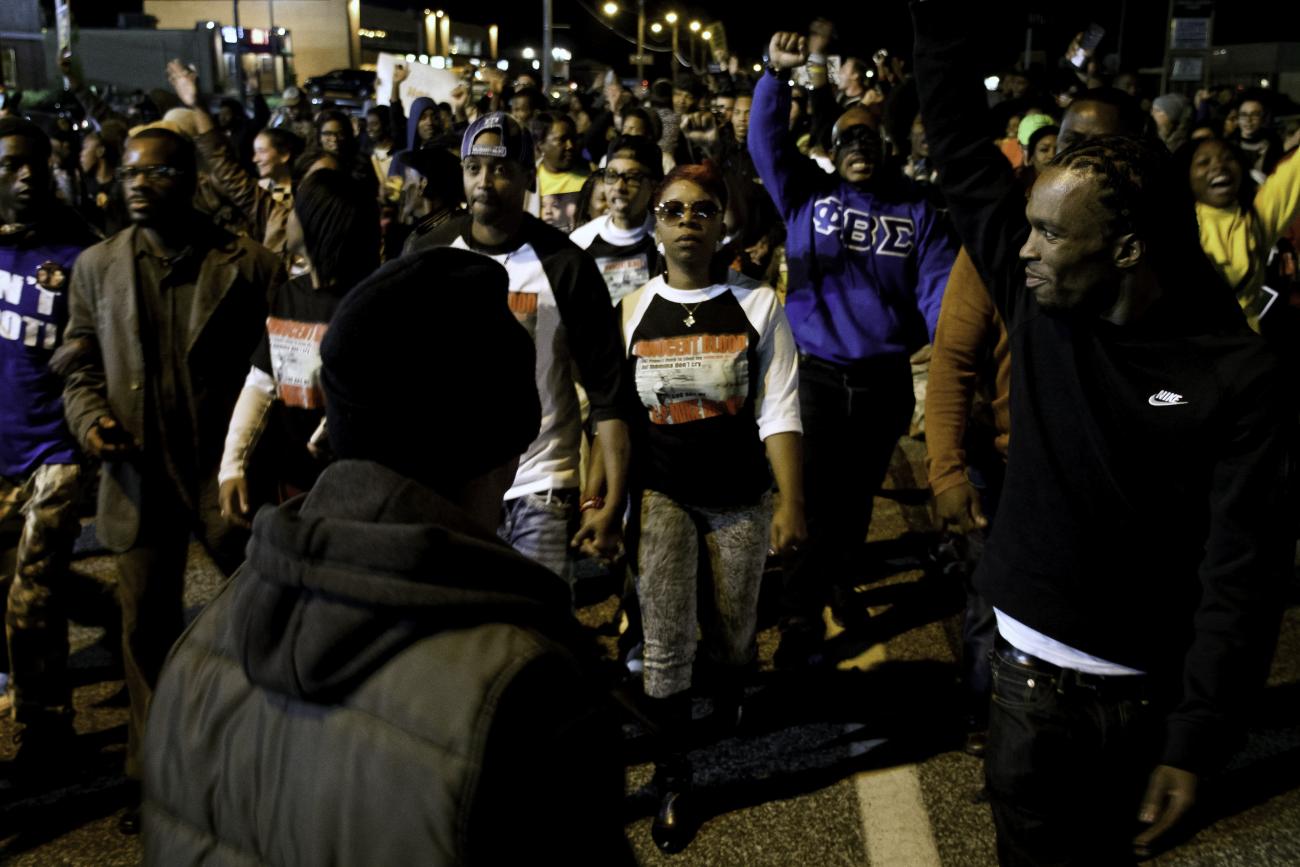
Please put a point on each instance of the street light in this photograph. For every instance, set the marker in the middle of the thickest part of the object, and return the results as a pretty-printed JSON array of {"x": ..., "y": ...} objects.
[
  {"x": 610, "y": 8},
  {"x": 656, "y": 28},
  {"x": 671, "y": 17},
  {"x": 706, "y": 35},
  {"x": 529, "y": 54},
  {"x": 695, "y": 27}
]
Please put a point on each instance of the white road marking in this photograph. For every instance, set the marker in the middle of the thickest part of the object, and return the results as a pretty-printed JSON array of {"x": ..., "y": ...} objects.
[{"x": 895, "y": 823}]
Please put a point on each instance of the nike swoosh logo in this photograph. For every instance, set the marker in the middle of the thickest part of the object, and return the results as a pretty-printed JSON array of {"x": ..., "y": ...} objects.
[{"x": 1157, "y": 401}]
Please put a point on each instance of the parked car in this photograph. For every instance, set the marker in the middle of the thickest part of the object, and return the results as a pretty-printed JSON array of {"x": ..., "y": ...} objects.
[{"x": 344, "y": 87}]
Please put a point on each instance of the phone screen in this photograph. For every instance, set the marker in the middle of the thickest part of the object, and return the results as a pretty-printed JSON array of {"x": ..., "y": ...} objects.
[{"x": 1087, "y": 43}]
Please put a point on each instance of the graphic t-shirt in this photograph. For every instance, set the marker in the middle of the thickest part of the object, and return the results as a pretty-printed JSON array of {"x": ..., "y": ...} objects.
[
  {"x": 627, "y": 259},
  {"x": 290, "y": 354},
  {"x": 559, "y": 193},
  {"x": 34, "y": 275},
  {"x": 716, "y": 372},
  {"x": 557, "y": 294}
]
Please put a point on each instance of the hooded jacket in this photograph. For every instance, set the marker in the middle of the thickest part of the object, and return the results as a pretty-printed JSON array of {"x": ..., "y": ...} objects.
[
  {"x": 381, "y": 683},
  {"x": 412, "y": 140}
]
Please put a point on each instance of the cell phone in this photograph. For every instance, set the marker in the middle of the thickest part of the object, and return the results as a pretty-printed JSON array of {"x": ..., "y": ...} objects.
[{"x": 1087, "y": 44}]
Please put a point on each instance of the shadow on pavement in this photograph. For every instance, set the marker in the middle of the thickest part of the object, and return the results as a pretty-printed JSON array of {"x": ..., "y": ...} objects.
[{"x": 803, "y": 731}]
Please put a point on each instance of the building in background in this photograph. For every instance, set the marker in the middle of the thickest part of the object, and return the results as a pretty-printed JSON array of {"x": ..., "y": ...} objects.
[{"x": 323, "y": 33}]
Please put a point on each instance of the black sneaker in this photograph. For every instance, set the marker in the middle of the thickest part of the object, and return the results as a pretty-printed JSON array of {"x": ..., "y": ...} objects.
[{"x": 801, "y": 644}]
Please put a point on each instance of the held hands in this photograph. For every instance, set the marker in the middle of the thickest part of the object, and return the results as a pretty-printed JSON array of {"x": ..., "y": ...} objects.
[
  {"x": 958, "y": 509},
  {"x": 789, "y": 530},
  {"x": 1171, "y": 793},
  {"x": 234, "y": 501},
  {"x": 600, "y": 534},
  {"x": 787, "y": 50},
  {"x": 107, "y": 440}
]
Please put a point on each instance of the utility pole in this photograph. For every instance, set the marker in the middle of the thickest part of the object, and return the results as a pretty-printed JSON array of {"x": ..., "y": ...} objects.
[
  {"x": 547, "y": 41},
  {"x": 640, "y": 40},
  {"x": 239, "y": 54}
]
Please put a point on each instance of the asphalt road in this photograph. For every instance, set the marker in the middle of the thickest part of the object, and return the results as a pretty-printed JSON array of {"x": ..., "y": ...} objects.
[{"x": 857, "y": 764}]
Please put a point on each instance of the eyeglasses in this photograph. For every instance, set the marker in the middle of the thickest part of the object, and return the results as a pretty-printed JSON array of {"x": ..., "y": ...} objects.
[
  {"x": 672, "y": 213},
  {"x": 153, "y": 173},
  {"x": 632, "y": 179}
]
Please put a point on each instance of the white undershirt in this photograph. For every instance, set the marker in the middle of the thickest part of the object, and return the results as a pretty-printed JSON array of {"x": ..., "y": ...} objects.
[{"x": 1035, "y": 643}]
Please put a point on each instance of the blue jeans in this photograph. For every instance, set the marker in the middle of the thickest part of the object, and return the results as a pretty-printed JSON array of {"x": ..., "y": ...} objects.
[
  {"x": 539, "y": 526},
  {"x": 1067, "y": 762}
]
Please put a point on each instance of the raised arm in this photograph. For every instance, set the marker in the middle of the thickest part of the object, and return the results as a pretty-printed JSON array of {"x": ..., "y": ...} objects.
[
  {"x": 986, "y": 204},
  {"x": 775, "y": 156}
]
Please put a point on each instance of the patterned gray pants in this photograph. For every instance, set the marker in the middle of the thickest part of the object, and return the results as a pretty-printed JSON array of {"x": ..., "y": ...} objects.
[{"x": 735, "y": 543}]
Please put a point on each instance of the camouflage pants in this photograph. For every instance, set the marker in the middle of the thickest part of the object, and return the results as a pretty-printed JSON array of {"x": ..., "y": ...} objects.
[{"x": 38, "y": 524}]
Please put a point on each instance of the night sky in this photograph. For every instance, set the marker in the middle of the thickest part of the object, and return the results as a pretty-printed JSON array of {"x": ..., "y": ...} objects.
[{"x": 863, "y": 25}]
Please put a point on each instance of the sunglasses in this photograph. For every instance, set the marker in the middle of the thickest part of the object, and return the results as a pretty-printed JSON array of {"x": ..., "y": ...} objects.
[
  {"x": 672, "y": 213},
  {"x": 153, "y": 173},
  {"x": 858, "y": 135}
]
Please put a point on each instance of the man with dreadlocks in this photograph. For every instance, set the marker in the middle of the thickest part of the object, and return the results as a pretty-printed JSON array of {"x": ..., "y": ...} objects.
[{"x": 1142, "y": 541}]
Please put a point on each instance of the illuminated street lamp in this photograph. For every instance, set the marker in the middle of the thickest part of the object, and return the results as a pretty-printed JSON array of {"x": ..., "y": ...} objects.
[
  {"x": 671, "y": 18},
  {"x": 656, "y": 28},
  {"x": 695, "y": 27},
  {"x": 706, "y": 35},
  {"x": 610, "y": 8}
]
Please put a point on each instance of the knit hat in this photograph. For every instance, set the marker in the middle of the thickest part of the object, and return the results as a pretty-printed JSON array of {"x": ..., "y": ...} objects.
[
  {"x": 426, "y": 371},
  {"x": 516, "y": 142},
  {"x": 1172, "y": 104},
  {"x": 1030, "y": 124}
]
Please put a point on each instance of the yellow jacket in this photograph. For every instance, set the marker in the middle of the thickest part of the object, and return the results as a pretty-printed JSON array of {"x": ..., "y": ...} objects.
[{"x": 1238, "y": 242}]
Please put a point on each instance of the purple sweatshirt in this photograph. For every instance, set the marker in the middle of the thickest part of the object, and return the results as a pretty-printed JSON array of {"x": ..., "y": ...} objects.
[
  {"x": 867, "y": 272},
  {"x": 34, "y": 274}
]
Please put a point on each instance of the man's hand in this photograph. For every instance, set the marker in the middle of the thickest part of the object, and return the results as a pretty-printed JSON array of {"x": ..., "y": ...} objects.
[
  {"x": 1171, "y": 793},
  {"x": 69, "y": 70},
  {"x": 234, "y": 501},
  {"x": 819, "y": 36},
  {"x": 701, "y": 127},
  {"x": 459, "y": 99},
  {"x": 107, "y": 440},
  {"x": 789, "y": 529},
  {"x": 787, "y": 50},
  {"x": 959, "y": 509},
  {"x": 600, "y": 534},
  {"x": 184, "y": 81},
  {"x": 400, "y": 74}
]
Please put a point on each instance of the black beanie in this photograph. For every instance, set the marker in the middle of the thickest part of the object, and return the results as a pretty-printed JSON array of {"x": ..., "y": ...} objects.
[{"x": 426, "y": 371}]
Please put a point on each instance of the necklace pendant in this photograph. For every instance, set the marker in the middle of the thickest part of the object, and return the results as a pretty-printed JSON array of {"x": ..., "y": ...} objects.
[{"x": 689, "y": 320}]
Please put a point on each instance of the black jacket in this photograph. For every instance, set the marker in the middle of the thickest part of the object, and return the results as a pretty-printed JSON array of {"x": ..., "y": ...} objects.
[
  {"x": 1147, "y": 529},
  {"x": 381, "y": 683}
]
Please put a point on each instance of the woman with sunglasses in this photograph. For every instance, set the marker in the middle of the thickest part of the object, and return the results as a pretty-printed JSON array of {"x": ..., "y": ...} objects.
[{"x": 717, "y": 376}]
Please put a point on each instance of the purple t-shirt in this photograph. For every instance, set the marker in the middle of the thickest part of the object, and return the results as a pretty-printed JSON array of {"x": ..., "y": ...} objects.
[{"x": 33, "y": 316}]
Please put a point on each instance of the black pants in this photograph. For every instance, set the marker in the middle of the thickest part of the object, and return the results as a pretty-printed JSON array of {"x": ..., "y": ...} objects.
[
  {"x": 852, "y": 419},
  {"x": 151, "y": 581},
  {"x": 1067, "y": 763},
  {"x": 979, "y": 624}
]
